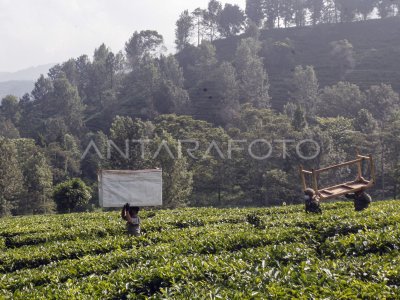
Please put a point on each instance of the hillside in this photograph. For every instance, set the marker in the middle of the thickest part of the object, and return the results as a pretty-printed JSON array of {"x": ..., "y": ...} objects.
[
  {"x": 261, "y": 253},
  {"x": 376, "y": 46}
]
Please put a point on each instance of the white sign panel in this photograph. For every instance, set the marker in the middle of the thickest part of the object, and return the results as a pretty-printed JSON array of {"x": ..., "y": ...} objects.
[{"x": 138, "y": 188}]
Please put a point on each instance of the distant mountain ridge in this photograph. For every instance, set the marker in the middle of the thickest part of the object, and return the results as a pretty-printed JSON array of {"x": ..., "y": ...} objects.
[
  {"x": 20, "y": 82},
  {"x": 16, "y": 87},
  {"x": 31, "y": 74}
]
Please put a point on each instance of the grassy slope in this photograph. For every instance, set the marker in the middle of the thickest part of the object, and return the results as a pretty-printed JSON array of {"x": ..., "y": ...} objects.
[
  {"x": 198, "y": 253},
  {"x": 376, "y": 44}
]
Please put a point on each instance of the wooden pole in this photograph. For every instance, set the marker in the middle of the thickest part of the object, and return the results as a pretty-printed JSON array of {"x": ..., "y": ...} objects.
[
  {"x": 372, "y": 166},
  {"x": 315, "y": 183},
  {"x": 359, "y": 165},
  {"x": 303, "y": 179},
  {"x": 363, "y": 157},
  {"x": 340, "y": 165}
]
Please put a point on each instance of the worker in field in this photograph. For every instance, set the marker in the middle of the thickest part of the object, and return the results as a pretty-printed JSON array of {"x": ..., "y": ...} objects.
[
  {"x": 311, "y": 200},
  {"x": 131, "y": 215},
  {"x": 361, "y": 199}
]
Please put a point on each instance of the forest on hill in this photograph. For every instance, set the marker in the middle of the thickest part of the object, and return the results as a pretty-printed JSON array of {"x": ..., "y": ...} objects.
[
  {"x": 247, "y": 93},
  {"x": 371, "y": 58}
]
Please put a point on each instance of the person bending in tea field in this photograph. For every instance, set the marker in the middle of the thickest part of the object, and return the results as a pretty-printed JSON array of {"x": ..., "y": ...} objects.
[
  {"x": 312, "y": 201},
  {"x": 361, "y": 200},
  {"x": 130, "y": 215}
]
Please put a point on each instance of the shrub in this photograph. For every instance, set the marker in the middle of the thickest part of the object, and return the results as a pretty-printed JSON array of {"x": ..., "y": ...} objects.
[{"x": 72, "y": 195}]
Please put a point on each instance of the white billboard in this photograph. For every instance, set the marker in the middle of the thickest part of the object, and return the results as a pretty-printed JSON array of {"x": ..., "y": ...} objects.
[{"x": 138, "y": 188}]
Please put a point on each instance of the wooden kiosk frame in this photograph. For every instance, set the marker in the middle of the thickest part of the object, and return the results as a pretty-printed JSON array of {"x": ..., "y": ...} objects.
[{"x": 359, "y": 183}]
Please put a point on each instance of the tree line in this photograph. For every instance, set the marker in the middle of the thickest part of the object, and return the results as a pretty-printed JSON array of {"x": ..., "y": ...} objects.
[
  {"x": 284, "y": 13},
  {"x": 142, "y": 94},
  {"x": 218, "y": 21}
]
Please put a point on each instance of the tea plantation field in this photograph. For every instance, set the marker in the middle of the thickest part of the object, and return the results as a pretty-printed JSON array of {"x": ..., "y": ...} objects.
[{"x": 207, "y": 253}]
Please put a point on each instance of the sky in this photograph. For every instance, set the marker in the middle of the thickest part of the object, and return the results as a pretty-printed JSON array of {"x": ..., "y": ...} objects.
[{"x": 39, "y": 32}]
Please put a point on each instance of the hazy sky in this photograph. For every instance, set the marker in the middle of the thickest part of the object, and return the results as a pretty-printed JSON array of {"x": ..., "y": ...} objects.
[{"x": 35, "y": 32}]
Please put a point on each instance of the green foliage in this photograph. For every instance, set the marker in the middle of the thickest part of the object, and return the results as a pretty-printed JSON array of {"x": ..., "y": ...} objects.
[
  {"x": 26, "y": 185},
  {"x": 9, "y": 108},
  {"x": 163, "y": 151},
  {"x": 10, "y": 177},
  {"x": 212, "y": 19},
  {"x": 37, "y": 191},
  {"x": 10, "y": 116},
  {"x": 255, "y": 220},
  {"x": 204, "y": 63},
  {"x": 188, "y": 253},
  {"x": 137, "y": 97},
  {"x": 299, "y": 118},
  {"x": 211, "y": 176},
  {"x": 141, "y": 44},
  {"x": 64, "y": 157},
  {"x": 365, "y": 7},
  {"x": 171, "y": 96},
  {"x": 72, "y": 195},
  {"x": 132, "y": 156},
  {"x": 306, "y": 89},
  {"x": 282, "y": 55},
  {"x": 278, "y": 186},
  {"x": 271, "y": 8},
  {"x": 224, "y": 82},
  {"x": 381, "y": 100},
  {"x": 316, "y": 8},
  {"x": 67, "y": 104},
  {"x": 263, "y": 180},
  {"x": 341, "y": 132},
  {"x": 365, "y": 122},
  {"x": 254, "y": 11},
  {"x": 347, "y": 9},
  {"x": 343, "y": 99},
  {"x": 253, "y": 80},
  {"x": 93, "y": 161},
  {"x": 8, "y": 128},
  {"x": 385, "y": 8},
  {"x": 177, "y": 179},
  {"x": 58, "y": 109},
  {"x": 231, "y": 20},
  {"x": 183, "y": 31},
  {"x": 343, "y": 56},
  {"x": 218, "y": 97}
]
